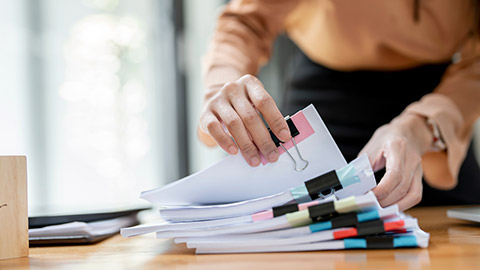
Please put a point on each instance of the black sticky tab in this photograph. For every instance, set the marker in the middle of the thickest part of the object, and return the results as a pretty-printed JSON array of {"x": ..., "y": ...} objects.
[
  {"x": 284, "y": 209},
  {"x": 379, "y": 241},
  {"x": 322, "y": 184},
  {"x": 344, "y": 220},
  {"x": 370, "y": 227},
  {"x": 293, "y": 131},
  {"x": 321, "y": 211}
]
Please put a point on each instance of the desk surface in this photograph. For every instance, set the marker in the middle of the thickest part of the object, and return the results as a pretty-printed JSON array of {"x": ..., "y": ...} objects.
[{"x": 453, "y": 245}]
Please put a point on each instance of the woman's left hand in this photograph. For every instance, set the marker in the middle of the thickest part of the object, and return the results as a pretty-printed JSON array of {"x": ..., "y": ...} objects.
[{"x": 398, "y": 147}]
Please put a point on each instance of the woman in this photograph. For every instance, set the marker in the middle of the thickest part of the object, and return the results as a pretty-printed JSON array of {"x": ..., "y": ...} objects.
[{"x": 381, "y": 75}]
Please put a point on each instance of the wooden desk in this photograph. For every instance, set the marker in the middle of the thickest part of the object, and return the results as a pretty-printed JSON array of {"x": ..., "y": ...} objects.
[{"x": 453, "y": 245}]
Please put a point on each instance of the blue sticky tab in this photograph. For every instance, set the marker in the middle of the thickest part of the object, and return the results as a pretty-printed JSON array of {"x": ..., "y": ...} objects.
[
  {"x": 346, "y": 172},
  {"x": 355, "y": 243},
  {"x": 300, "y": 194},
  {"x": 350, "y": 181},
  {"x": 369, "y": 215},
  {"x": 320, "y": 226},
  {"x": 405, "y": 241},
  {"x": 347, "y": 175}
]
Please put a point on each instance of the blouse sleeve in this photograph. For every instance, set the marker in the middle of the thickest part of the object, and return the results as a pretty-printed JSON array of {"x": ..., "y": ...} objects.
[
  {"x": 242, "y": 42},
  {"x": 455, "y": 107}
]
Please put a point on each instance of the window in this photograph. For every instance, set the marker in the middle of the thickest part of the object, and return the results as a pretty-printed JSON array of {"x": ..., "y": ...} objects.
[{"x": 93, "y": 93}]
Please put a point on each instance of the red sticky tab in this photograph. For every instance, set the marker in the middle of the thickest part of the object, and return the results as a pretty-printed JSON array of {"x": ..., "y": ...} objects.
[
  {"x": 345, "y": 233},
  {"x": 394, "y": 225},
  {"x": 304, "y": 128},
  {"x": 400, "y": 231}
]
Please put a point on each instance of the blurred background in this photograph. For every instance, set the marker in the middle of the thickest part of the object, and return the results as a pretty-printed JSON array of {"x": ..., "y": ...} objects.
[{"x": 103, "y": 96}]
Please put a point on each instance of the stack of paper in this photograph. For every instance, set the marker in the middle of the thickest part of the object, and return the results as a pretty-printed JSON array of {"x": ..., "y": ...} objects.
[
  {"x": 80, "y": 232},
  {"x": 232, "y": 207}
]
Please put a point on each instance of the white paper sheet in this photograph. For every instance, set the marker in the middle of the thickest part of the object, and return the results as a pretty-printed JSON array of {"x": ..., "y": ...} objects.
[
  {"x": 367, "y": 201},
  {"x": 218, "y": 211},
  {"x": 388, "y": 213},
  {"x": 422, "y": 239},
  {"x": 209, "y": 212},
  {"x": 233, "y": 180},
  {"x": 410, "y": 224}
]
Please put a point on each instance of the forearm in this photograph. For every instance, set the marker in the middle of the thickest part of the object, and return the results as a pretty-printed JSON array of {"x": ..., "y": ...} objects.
[
  {"x": 243, "y": 39},
  {"x": 454, "y": 106}
]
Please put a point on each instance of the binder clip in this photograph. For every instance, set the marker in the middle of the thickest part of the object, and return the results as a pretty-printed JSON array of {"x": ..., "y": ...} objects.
[
  {"x": 294, "y": 132},
  {"x": 323, "y": 185}
]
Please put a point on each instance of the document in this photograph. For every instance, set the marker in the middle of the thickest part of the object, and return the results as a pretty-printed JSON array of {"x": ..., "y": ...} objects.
[
  {"x": 303, "y": 217},
  {"x": 322, "y": 204},
  {"x": 344, "y": 220},
  {"x": 334, "y": 234},
  {"x": 415, "y": 238},
  {"x": 354, "y": 178},
  {"x": 233, "y": 180}
]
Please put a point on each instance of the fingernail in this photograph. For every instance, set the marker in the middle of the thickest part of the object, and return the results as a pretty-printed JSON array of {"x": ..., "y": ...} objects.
[
  {"x": 232, "y": 150},
  {"x": 284, "y": 134},
  {"x": 273, "y": 156},
  {"x": 254, "y": 161}
]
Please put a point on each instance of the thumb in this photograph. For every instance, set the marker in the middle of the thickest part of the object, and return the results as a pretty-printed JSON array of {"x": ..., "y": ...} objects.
[
  {"x": 375, "y": 156},
  {"x": 379, "y": 162},
  {"x": 205, "y": 138}
]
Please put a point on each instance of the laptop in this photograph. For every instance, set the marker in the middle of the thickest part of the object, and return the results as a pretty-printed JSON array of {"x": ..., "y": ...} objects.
[
  {"x": 469, "y": 213},
  {"x": 101, "y": 223}
]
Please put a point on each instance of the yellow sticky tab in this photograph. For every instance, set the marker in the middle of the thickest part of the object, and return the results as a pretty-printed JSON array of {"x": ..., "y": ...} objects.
[
  {"x": 299, "y": 218},
  {"x": 346, "y": 205}
]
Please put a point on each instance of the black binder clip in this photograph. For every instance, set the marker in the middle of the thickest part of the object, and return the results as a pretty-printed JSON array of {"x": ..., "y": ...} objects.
[
  {"x": 294, "y": 132},
  {"x": 323, "y": 185}
]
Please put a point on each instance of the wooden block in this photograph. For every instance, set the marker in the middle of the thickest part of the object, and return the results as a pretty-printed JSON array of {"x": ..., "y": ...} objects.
[{"x": 13, "y": 207}]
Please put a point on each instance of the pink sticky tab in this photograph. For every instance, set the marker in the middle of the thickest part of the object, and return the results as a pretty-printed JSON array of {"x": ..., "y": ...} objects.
[
  {"x": 304, "y": 206},
  {"x": 304, "y": 128},
  {"x": 262, "y": 215}
]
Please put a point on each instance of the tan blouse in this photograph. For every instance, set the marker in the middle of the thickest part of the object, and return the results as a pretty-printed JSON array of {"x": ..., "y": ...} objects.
[{"x": 366, "y": 34}]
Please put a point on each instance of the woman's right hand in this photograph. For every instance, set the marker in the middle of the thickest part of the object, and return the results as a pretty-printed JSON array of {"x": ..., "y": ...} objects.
[{"x": 232, "y": 113}]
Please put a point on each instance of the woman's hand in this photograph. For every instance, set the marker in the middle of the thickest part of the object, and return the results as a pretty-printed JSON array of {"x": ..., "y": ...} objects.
[
  {"x": 398, "y": 147},
  {"x": 233, "y": 112}
]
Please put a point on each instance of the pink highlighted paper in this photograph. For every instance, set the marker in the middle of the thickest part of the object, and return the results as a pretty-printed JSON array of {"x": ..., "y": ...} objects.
[
  {"x": 262, "y": 215},
  {"x": 304, "y": 128}
]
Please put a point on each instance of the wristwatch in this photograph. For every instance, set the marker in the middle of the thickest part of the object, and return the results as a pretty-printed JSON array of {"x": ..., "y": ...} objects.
[{"x": 438, "y": 143}]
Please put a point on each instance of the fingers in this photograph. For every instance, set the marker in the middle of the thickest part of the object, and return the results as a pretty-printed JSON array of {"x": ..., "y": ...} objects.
[
  {"x": 392, "y": 147},
  {"x": 267, "y": 107},
  {"x": 237, "y": 106},
  {"x": 235, "y": 126},
  {"x": 205, "y": 137},
  {"x": 374, "y": 150},
  {"x": 257, "y": 129},
  {"x": 375, "y": 156},
  {"x": 212, "y": 126},
  {"x": 394, "y": 157},
  {"x": 401, "y": 166},
  {"x": 414, "y": 195}
]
